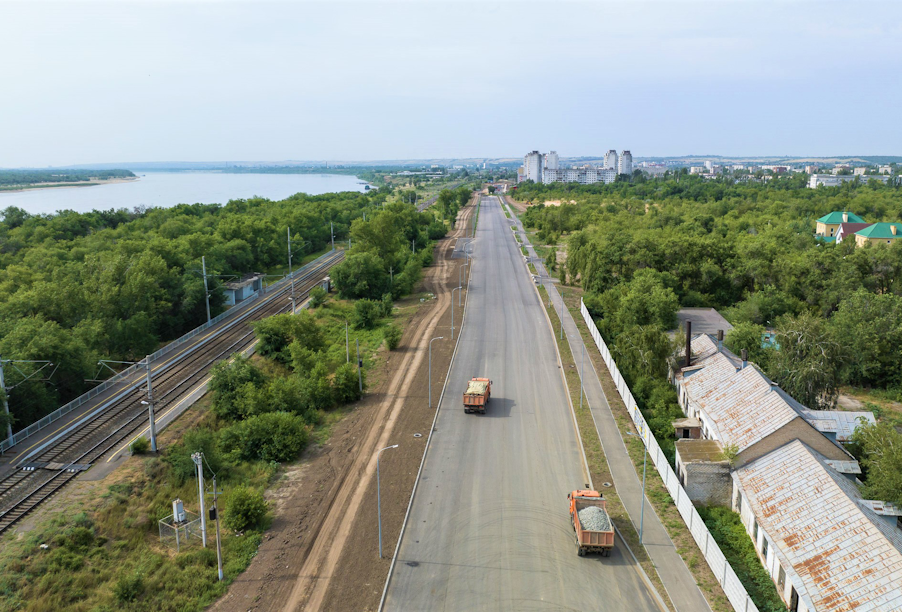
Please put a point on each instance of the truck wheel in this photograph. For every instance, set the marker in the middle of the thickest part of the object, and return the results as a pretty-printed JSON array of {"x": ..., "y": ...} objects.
[{"x": 580, "y": 551}]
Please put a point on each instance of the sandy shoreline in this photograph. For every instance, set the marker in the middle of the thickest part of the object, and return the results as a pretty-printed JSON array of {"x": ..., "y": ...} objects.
[{"x": 68, "y": 185}]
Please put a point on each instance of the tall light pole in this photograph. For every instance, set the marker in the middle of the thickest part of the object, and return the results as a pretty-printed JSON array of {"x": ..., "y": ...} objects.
[
  {"x": 9, "y": 423},
  {"x": 198, "y": 459},
  {"x": 203, "y": 263},
  {"x": 332, "y": 234},
  {"x": 430, "y": 368},
  {"x": 562, "y": 314},
  {"x": 149, "y": 402},
  {"x": 379, "y": 495},
  {"x": 347, "y": 345},
  {"x": 460, "y": 280},
  {"x": 293, "y": 307},
  {"x": 359, "y": 367},
  {"x": 582, "y": 367},
  {"x": 644, "y": 464},
  {"x": 452, "y": 310},
  {"x": 218, "y": 536}
]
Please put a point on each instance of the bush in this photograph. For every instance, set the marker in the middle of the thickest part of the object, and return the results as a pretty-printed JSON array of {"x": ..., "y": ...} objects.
[
  {"x": 316, "y": 390},
  {"x": 246, "y": 509},
  {"x": 140, "y": 446},
  {"x": 276, "y": 333},
  {"x": 392, "y": 335},
  {"x": 361, "y": 275},
  {"x": 317, "y": 296},
  {"x": 274, "y": 436},
  {"x": 388, "y": 304},
  {"x": 227, "y": 382},
  {"x": 346, "y": 385},
  {"x": 366, "y": 314},
  {"x": 128, "y": 588}
]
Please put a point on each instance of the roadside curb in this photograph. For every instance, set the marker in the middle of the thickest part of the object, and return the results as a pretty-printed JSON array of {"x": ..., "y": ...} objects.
[{"x": 438, "y": 408}]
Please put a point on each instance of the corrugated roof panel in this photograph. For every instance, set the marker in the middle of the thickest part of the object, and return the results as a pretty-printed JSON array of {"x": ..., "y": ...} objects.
[{"x": 847, "y": 557}]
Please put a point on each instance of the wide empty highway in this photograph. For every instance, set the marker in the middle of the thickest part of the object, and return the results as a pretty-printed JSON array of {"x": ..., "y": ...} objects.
[{"x": 489, "y": 527}]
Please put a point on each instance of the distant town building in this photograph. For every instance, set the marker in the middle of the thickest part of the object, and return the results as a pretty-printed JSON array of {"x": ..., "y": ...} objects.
[
  {"x": 587, "y": 175},
  {"x": 625, "y": 163},
  {"x": 885, "y": 169},
  {"x": 552, "y": 161},
  {"x": 534, "y": 162},
  {"x": 831, "y": 180},
  {"x": 811, "y": 169},
  {"x": 697, "y": 170},
  {"x": 709, "y": 165},
  {"x": 610, "y": 160},
  {"x": 859, "y": 171},
  {"x": 840, "y": 168}
]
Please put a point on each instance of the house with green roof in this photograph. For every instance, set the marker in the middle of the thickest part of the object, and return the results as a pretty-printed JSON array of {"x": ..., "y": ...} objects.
[
  {"x": 878, "y": 233},
  {"x": 829, "y": 223}
]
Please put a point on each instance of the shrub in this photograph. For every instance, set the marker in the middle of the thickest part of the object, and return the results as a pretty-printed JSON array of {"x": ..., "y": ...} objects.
[
  {"x": 226, "y": 384},
  {"x": 388, "y": 304},
  {"x": 316, "y": 390},
  {"x": 274, "y": 436},
  {"x": 246, "y": 509},
  {"x": 140, "y": 446},
  {"x": 366, "y": 313},
  {"x": 317, "y": 296},
  {"x": 392, "y": 335},
  {"x": 128, "y": 588},
  {"x": 346, "y": 385},
  {"x": 276, "y": 333}
]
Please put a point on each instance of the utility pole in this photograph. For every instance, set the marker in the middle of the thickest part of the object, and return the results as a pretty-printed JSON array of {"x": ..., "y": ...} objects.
[
  {"x": 198, "y": 459},
  {"x": 153, "y": 425},
  {"x": 359, "y": 367},
  {"x": 9, "y": 424},
  {"x": 203, "y": 263},
  {"x": 215, "y": 517},
  {"x": 452, "y": 310},
  {"x": 289, "y": 272},
  {"x": 349, "y": 244},
  {"x": 332, "y": 234},
  {"x": 379, "y": 495},
  {"x": 347, "y": 345},
  {"x": 430, "y": 369},
  {"x": 562, "y": 314},
  {"x": 582, "y": 367}
]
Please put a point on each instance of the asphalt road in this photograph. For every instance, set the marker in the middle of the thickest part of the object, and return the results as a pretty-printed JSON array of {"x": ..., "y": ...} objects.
[{"x": 489, "y": 527}]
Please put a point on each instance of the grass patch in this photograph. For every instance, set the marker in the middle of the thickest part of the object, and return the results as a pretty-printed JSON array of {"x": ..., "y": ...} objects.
[{"x": 736, "y": 545}]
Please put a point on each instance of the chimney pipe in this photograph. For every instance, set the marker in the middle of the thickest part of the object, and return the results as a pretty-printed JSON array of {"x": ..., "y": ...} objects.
[
  {"x": 745, "y": 358},
  {"x": 688, "y": 343},
  {"x": 845, "y": 217},
  {"x": 719, "y": 340},
  {"x": 894, "y": 229}
]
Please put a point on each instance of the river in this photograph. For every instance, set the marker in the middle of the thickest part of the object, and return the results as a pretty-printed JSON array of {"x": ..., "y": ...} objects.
[{"x": 166, "y": 189}]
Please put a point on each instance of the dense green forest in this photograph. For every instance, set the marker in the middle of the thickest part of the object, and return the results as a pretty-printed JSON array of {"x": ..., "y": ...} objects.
[
  {"x": 10, "y": 178},
  {"x": 116, "y": 284},
  {"x": 642, "y": 251}
]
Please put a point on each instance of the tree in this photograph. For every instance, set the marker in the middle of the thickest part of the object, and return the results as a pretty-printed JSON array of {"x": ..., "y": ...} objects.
[
  {"x": 807, "y": 362},
  {"x": 346, "y": 384},
  {"x": 366, "y": 314},
  {"x": 879, "y": 448},
  {"x": 491, "y": 189},
  {"x": 244, "y": 509},
  {"x": 869, "y": 328},
  {"x": 276, "y": 333},
  {"x": 272, "y": 436},
  {"x": 228, "y": 384},
  {"x": 361, "y": 275},
  {"x": 748, "y": 336},
  {"x": 392, "y": 334},
  {"x": 317, "y": 296}
]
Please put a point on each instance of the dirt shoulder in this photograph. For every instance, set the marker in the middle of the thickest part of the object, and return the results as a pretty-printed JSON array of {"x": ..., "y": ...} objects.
[{"x": 322, "y": 550}]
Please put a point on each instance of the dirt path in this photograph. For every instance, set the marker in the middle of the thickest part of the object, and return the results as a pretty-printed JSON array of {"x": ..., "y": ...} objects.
[{"x": 324, "y": 500}]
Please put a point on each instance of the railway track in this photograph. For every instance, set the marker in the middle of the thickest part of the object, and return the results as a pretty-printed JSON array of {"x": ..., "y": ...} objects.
[{"x": 50, "y": 469}]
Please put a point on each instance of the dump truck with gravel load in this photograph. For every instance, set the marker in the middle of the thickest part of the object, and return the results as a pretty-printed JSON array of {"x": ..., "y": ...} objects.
[
  {"x": 590, "y": 520},
  {"x": 477, "y": 395}
]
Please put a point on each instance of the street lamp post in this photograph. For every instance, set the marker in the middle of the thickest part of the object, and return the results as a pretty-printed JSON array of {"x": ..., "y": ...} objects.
[
  {"x": 460, "y": 280},
  {"x": 379, "y": 495},
  {"x": 430, "y": 368},
  {"x": 452, "y": 310},
  {"x": 644, "y": 464}
]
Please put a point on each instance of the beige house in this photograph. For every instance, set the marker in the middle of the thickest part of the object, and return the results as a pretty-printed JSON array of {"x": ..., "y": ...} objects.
[
  {"x": 879, "y": 233},
  {"x": 828, "y": 224}
]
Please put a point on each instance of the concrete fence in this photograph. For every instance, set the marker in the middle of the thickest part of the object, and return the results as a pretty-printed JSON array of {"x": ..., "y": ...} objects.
[
  {"x": 727, "y": 578},
  {"x": 133, "y": 376}
]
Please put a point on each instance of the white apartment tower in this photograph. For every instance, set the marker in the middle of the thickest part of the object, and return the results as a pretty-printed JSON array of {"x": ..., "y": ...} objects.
[
  {"x": 533, "y": 162},
  {"x": 610, "y": 160},
  {"x": 552, "y": 161},
  {"x": 625, "y": 164}
]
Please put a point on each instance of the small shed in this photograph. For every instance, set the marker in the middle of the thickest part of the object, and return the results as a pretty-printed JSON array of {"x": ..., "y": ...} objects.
[
  {"x": 240, "y": 290},
  {"x": 688, "y": 429},
  {"x": 704, "y": 472}
]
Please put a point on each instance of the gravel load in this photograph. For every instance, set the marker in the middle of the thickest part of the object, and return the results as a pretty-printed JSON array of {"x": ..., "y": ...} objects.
[{"x": 594, "y": 518}]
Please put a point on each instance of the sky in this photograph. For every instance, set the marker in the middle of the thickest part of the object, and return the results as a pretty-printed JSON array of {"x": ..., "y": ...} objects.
[{"x": 92, "y": 82}]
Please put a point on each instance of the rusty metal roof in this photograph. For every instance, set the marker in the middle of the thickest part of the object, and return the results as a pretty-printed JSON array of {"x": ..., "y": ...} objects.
[
  {"x": 839, "y": 422},
  {"x": 846, "y": 556}
]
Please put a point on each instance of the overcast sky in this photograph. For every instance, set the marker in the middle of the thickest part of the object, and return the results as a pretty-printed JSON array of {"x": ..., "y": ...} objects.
[{"x": 88, "y": 82}]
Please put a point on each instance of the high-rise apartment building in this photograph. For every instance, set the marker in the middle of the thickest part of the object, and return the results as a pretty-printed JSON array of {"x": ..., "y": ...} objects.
[
  {"x": 533, "y": 162},
  {"x": 552, "y": 161},
  {"x": 625, "y": 163},
  {"x": 610, "y": 160}
]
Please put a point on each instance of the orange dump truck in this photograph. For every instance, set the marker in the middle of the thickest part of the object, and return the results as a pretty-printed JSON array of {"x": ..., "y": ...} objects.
[
  {"x": 477, "y": 395},
  {"x": 590, "y": 520}
]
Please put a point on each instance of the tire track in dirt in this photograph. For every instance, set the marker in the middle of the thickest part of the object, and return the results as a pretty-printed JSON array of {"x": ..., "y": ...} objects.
[{"x": 322, "y": 559}]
